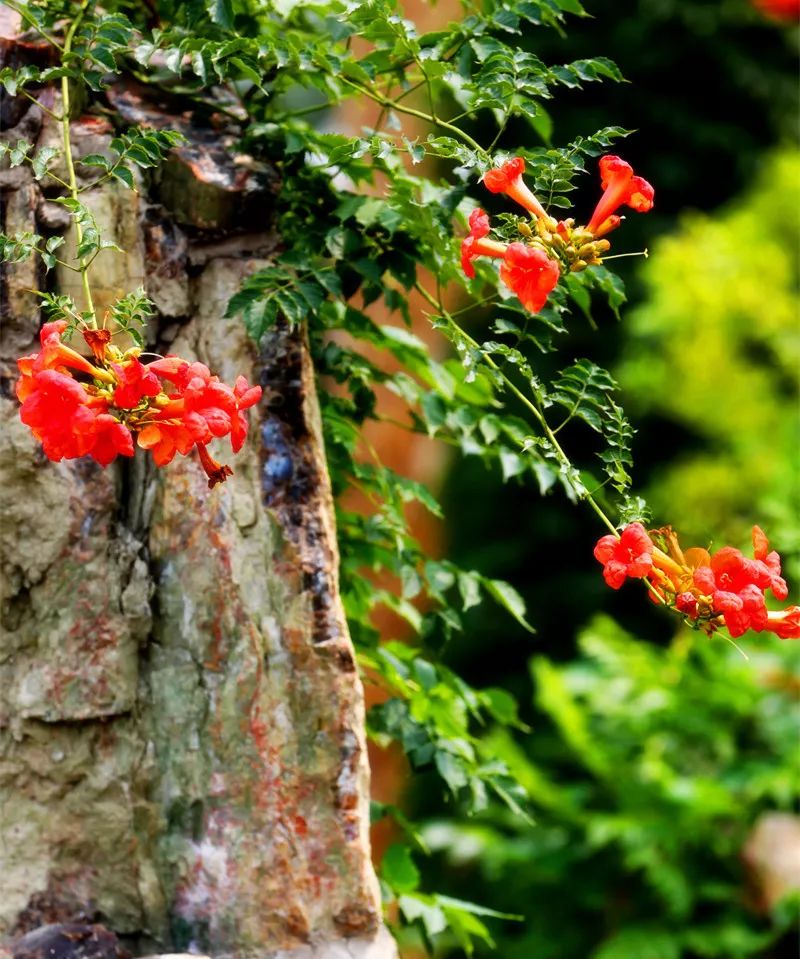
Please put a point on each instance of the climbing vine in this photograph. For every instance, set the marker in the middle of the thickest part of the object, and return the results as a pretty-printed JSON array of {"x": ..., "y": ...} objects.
[{"x": 391, "y": 217}]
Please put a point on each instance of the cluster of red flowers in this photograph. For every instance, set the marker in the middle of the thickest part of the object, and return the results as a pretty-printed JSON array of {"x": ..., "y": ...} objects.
[
  {"x": 727, "y": 588},
  {"x": 531, "y": 267},
  {"x": 117, "y": 396}
]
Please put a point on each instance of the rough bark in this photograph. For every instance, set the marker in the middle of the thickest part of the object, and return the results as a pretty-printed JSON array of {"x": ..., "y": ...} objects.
[{"x": 182, "y": 753}]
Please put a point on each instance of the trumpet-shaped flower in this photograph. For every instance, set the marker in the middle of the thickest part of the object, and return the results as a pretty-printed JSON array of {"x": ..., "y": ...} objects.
[
  {"x": 135, "y": 382},
  {"x": 786, "y": 11},
  {"x": 54, "y": 355},
  {"x": 726, "y": 587},
  {"x": 530, "y": 273},
  {"x": 112, "y": 438},
  {"x": 474, "y": 243},
  {"x": 619, "y": 186},
  {"x": 508, "y": 179},
  {"x": 246, "y": 396},
  {"x": 772, "y": 561},
  {"x": 785, "y": 622},
  {"x": 73, "y": 418},
  {"x": 69, "y": 423},
  {"x": 164, "y": 438},
  {"x": 56, "y": 411},
  {"x": 628, "y": 555}
]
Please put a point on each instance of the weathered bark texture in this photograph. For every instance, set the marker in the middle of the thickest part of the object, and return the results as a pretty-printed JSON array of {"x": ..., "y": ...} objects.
[{"x": 182, "y": 753}]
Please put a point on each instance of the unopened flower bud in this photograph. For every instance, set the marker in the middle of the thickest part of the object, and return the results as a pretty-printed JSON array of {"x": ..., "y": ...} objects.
[
  {"x": 687, "y": 603},
  {"x": 578, "y": 265},
  {"x": 586, "y": 251},
  {"x": 524, "y": 229},
  {"x": 602, "y": 246}
]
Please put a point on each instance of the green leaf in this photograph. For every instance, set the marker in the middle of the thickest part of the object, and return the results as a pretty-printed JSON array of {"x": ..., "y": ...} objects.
[
  {"x": 476, "y": 910},
  {"x": 542, "y": 123},
  {"x": 425, "y": 909},
  {"x": 105, "y": 57},
  {"x": 18, "y": 154},
  {"x": 469, "y": 588},
  {"x": 398, "y": 869},
  {"x": 554, "y": 697},
  {"x": 124, "y": 175},
  {"x": 94, "y": 159},
  {"x": 502, "y": 706},
  {"x": 41, "y": 159},
  {"x": 222, "y": 12},
  {"x": 640, "y": 942},
  {"x": 609, "y": 283},
  {"x": 13, "y": 79},
  {"x": 451, "y": 770},
  {"x": 507, "y": 597},
  {"x": 248, "y": 71}
]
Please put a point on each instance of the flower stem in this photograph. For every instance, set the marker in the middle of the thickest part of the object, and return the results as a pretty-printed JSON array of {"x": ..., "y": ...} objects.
[
  {"x": 618, "y": 256},
  {"x": 83, "y": 267},
  {"x": 526, "y": 400},
  {"x": 31, "y": 21},
  {"x": 427, "y": 117}
]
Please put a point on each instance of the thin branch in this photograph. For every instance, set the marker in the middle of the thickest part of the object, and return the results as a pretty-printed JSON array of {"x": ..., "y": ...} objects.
[
  {"x": 526, "y": 400},
  {"x": 67, "y": 143},
  {"x": 42, "y": 107},
  {"x": 436, "y": 121},
  {"x": 31, "y": 21}
]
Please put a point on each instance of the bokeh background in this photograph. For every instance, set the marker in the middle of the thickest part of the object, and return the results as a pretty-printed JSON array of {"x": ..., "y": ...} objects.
[{"x": 664, "y": 766}]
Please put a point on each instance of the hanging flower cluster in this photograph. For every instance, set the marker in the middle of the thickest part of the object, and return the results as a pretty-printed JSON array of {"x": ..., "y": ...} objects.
[
  {"x": 726, "y": 588},
  {"x": 78, "y": 408},
  {"x": 531, "y": 267}
]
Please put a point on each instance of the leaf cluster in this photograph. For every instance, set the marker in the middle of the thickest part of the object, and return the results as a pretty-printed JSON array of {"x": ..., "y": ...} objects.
[
  {"x": 434, "y": 913},
  {"x": 135, "y": 148},
  {"x": 649, "y": 770},
  {"x": 372, "y": 221}
]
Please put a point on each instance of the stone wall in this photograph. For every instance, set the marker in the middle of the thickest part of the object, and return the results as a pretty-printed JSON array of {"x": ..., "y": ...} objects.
[{"x": 182, "y": 753}]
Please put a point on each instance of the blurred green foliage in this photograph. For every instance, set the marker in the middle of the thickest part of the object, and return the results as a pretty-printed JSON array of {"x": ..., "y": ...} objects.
[
  {"x": 715, "y": 349},
  {"x": 711, "y": 85},
  {"x": 648, "y": 768}
]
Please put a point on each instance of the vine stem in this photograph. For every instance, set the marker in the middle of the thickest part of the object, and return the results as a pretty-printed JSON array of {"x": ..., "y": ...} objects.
[
  {"x": 31, "y": 21},
  {"x": 39, "y": 104},
  {"x": 83, "y": 267},
  {"x": 526, "y": 400},
  {"x": 427, "y": 117}
]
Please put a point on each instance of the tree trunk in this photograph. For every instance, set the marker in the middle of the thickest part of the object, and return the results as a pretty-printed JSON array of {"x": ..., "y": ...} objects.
[{"x": 182, "y": 752}]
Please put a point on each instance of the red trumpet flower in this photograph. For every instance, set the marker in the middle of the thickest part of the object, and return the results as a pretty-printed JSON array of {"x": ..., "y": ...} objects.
[
  {"x": 530, "y": 273},
  {"x": 474, "y": 243},
  {"x": 508, "y": 179},
  {"x": 73, "y": 418},
  {"x": 629, "y": 554},
  {"x": 619, "y": 186},
  {"x": 710, "y": 590}
]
